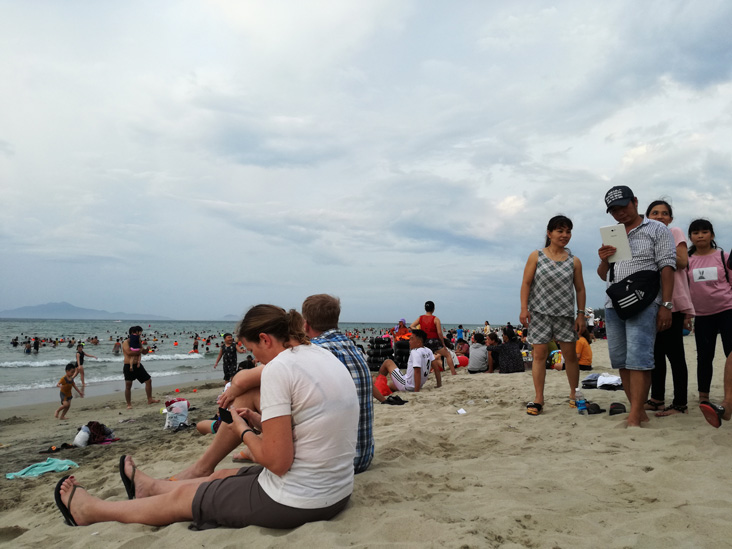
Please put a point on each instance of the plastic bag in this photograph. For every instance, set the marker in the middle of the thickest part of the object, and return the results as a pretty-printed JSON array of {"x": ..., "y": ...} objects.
[{"x": 177, "y": 412}]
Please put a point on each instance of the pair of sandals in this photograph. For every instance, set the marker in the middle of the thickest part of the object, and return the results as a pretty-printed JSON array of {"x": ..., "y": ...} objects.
[
  {"x": 65, "y": 508},
  {"x": 663, "y": 411}
]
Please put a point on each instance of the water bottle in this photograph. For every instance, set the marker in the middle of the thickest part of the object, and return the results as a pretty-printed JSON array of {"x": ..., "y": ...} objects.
[{"x": 579, "y": 399}]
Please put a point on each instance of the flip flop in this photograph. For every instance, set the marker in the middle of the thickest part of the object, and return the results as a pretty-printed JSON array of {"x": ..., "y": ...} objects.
[
  {"x": 617, "y": 408},
  {"x": 712, "y": 413},
  {"x": 594, "y": 408},
  {"x": 395, "y": 400},
  {"x": 68, "y": 519},
  {"x": 534, "y": 408},
  {"x": 128, "y": 482}
]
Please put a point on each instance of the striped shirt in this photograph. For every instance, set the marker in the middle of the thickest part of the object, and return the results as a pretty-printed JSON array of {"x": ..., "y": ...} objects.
[
  {"x": 351, "y": 356},
  {"x": 652, "y": 247}
]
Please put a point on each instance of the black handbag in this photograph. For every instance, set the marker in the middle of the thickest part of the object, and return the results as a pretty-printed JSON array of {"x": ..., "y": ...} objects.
[{"x": 634, "y": 293}]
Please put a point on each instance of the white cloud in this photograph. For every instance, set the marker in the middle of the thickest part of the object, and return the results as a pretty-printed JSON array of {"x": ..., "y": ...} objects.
[{"x": 192, "y": 159}]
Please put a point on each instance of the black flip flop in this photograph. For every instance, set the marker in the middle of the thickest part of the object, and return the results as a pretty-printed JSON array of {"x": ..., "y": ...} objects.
[
  {"x": 128, "y": 482},
  {"x": 712, "y": 413},
  {"x": 617, "y": 408},
  {"x": 60, "y": 504},
  {"x": 594, "y": 408}
]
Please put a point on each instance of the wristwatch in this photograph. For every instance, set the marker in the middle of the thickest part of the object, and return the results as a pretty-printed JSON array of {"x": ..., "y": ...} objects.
[{"x": 668, "y": 305}]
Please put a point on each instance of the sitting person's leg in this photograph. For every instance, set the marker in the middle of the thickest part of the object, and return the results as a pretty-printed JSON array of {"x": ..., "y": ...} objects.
[{"x": 223, "y": 443}]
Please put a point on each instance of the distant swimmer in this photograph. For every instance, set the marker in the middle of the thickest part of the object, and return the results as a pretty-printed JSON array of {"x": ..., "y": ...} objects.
[
  {"x": 80, "y": 354},
  {"x": 117, "y": 347}
]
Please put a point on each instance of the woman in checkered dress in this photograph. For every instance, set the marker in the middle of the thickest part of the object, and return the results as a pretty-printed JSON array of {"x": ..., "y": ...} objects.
[{"x": 552, "y": 277}]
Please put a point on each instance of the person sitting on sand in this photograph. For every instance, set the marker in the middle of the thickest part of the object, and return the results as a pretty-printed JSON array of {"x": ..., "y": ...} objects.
[
  {"x": 478, "y": 361},
  {"x": 420, "y": 362},
  {"x": 306, "y": 396},
  {"x": 66, "y": 384},
  {"x": 510, "y": 359},
  {"x": 244, "y": 392}
]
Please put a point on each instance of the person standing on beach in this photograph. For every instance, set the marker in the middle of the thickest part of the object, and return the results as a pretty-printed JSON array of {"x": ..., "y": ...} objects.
[
  {"x": 431, "y": 325},
  {"x": 552, "y": 277},
  {"x": 630, "y": 341},
  {"x": 138, "y": 373},
  {"x": 670, "y": 343},
  {"x": 80, "y": 354},
  {"x": 228, "y": 352}
]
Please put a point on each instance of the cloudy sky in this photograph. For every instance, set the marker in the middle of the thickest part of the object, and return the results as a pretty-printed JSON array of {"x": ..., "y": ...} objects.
[{"x": 190, "y": 158}]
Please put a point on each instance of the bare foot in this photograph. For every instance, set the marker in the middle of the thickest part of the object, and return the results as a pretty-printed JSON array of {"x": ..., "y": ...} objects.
[
  {"x": 79, "y": 502},
  {"x": 727, "y": 410},
  {"x": 653, "y": 404},
  {"x": 143, "y": 482},
  {"x": 152, "y": 401},
  {"x": 63, "y": 418},
  {"x": 129, "y": 406},
  {"x": 192, "y": 472},
  {"x": 242, "y": 456}
]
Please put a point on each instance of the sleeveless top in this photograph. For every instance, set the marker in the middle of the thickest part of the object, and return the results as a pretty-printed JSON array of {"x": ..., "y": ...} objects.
[
  {"x": 552, "y": 291},
  {"x": 229, "y": 356},
  {"x": 427, "y": 323}
]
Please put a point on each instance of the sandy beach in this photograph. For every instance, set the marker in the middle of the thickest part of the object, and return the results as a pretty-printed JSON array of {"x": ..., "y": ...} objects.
[{"x": 493, "y": 477}]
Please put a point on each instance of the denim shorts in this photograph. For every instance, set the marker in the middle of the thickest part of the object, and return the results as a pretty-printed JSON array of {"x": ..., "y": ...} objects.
[{"x": 630, "y": 342}]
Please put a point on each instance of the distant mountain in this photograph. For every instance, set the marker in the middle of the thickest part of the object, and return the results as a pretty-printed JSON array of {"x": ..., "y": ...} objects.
[{"x": 67, "y": 311}]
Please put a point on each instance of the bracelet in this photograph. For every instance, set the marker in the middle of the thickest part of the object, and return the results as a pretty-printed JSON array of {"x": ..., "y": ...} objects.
[
  {"x": 244, "y": 432},
  {"x": 580, "y": 312}
]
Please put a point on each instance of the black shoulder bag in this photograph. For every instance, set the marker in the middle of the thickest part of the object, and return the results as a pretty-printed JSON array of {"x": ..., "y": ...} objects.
[{"x": 634, "y": 293}]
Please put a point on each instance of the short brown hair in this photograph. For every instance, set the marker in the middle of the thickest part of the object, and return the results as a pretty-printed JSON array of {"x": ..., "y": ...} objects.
[{"x": 321, "y": 312}]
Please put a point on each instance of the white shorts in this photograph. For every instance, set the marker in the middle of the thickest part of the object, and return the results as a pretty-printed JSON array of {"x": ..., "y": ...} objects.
[{"x": 399, "y": 382}]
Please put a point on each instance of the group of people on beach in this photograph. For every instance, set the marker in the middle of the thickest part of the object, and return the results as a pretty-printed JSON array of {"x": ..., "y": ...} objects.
[{"x": 313, "y": 385}]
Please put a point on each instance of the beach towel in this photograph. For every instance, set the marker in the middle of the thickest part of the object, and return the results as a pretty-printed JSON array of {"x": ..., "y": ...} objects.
[{"x": 51, "y": 465}]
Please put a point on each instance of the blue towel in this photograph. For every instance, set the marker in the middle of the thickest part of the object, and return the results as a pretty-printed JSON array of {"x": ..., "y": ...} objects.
[{"x": 51, "y": 465}]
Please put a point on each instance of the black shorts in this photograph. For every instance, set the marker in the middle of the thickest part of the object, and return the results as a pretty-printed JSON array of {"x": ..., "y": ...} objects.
[
  {"x": 138, "y": 373},
  {"x": 433, "y": 345}
]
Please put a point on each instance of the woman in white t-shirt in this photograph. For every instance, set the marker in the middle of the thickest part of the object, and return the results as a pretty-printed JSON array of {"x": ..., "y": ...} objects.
[
  {"x": 306, "y": 396},
  {"x": 670, "y": 343},
  {"x": 711, "y": 294}
]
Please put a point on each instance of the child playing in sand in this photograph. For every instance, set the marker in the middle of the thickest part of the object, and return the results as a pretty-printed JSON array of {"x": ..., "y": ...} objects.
[
  {"x": 66, "y": 383},
  {"x": 552, "y": 276}
]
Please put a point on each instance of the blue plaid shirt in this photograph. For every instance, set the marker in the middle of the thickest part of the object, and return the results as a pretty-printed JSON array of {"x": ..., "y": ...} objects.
[{"x": 346, "y": 351}]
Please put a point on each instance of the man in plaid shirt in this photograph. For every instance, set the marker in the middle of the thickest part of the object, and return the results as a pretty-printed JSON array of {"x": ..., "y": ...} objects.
[{"x": 321, "y": 313}]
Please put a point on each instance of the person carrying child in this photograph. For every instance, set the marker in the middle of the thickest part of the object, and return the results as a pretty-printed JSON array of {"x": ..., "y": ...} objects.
[
  {"x": 552, "y": 277},
  {"x": 66, "y": 384}
]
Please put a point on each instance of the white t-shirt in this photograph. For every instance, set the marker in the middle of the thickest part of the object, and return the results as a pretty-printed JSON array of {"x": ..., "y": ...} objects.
[
  {"x": 312, "y": 386},
  {"x": 418, "y": 358}
]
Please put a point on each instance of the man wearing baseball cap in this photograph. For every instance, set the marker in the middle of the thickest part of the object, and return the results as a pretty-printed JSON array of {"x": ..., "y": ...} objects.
[{"x": 630, "y": 341}]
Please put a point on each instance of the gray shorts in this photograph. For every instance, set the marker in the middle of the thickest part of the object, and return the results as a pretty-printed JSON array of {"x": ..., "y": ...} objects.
[
  {"x": 240, "y": 501},
  {"x": 543, "y": 328}
]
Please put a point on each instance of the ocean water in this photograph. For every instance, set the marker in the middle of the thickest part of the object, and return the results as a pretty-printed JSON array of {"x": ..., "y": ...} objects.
[{"x": 22, "y": 375}]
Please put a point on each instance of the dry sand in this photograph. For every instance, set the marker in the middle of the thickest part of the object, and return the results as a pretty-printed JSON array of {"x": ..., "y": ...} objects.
[{"x": 494, "y": 477}]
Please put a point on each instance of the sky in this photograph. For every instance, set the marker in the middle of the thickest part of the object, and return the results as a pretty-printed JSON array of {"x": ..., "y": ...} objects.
[{"x": 190, "y": 159}]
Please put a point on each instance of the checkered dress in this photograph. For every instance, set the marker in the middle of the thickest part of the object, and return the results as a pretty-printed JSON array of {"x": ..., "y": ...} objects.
[{"x": 552, "y": 291}]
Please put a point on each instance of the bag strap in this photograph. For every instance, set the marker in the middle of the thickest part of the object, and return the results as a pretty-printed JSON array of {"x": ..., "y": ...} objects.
[
  {"x": 612, "y": 272},
  {"x": 724, "y": 264}
]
